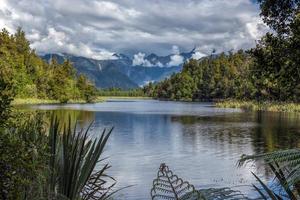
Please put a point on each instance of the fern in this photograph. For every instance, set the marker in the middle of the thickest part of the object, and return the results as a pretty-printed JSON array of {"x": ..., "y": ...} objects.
[
  {"x": 72, "y": 164},
  {"x": 170, "y": 187},
  {"x": 285, "y": 165},
  {"x": 288, "y": 160}
]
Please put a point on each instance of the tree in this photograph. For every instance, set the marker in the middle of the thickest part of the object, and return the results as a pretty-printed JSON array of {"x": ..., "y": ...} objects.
[
  {"x": 6, "y": 96},
  {"x": 279, "y": 14},
  {"x": 88, "y": 90},
  {"x": 30, "y": 76},
  {"x": 276, "y": 57},
  {"x": 215, "y": 77}
]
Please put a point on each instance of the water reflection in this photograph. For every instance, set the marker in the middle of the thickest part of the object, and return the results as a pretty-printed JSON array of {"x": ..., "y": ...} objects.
[{"x": 200, "y": 143}]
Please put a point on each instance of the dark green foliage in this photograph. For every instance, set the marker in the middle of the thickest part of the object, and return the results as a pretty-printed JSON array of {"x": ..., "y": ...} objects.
[
  {"x": 279, "y": 14},
  {"x": 88, "y": 90},
  {"x": 14, "y": 166},
  {"x": 214, "y": 77},
  {"x": 276, "y": 71},
  {"x": 265, "y": 191},
  {"x": 285, "y": 167},
  {"x": 72, "y": 164},
  {"x": 30, "y": 76},
  {"x": 23, "y": 161},
  {"x": 6, "y": 96},
  {"x": 290, "y": 159},
  {"x": 59, "y": 165}
]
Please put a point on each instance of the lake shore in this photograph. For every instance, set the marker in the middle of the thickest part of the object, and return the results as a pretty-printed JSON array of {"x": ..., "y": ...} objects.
[
  {"x": 124, "y": 97},
  {"x": 32, "y": 101},
  {"x": 260, "y": 106}
]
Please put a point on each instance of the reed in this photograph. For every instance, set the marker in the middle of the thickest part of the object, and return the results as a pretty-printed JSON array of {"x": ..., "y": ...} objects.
[{"x": 262, "y": 106}]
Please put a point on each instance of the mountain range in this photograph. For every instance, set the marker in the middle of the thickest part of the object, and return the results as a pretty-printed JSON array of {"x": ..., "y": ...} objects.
[{"x": 125, "y": 72}]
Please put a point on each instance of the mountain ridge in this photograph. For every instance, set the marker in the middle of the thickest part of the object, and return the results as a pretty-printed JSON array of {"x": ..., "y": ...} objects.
[{"x": 122, "y": 72}]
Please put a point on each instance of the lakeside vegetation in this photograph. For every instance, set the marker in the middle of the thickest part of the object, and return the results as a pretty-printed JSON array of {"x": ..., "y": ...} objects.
[
  {"x": 30, "y": 80},
  {"x": 117, "y": 92},
  {"x": 260, "y": 106},
  {"x": 97, "y": 99},
  {"x": 28, "y": 76},
  {"x": 51, "y": 161},
  {"x": 28, "y": 101}
]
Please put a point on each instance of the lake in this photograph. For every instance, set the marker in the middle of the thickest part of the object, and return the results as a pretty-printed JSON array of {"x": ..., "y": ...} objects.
[{"x": 199, "y": 142}]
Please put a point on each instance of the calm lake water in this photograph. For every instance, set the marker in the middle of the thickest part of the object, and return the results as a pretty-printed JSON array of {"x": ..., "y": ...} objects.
[{"x": 199, "y": 142}]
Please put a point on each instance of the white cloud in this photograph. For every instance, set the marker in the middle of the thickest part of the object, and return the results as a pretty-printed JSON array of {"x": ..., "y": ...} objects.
[
  {"x": 139, "y": 59},
  {"x": 98, "y": 27},
  {"x": 256, "y": 29},
  {"x": 198, "y": 54},
  {"x": 176, "y": 58},
  {"x": 58, "y": 42},
  {"x": 5, "y": 16},
  {"x": 159, "y": 64}
]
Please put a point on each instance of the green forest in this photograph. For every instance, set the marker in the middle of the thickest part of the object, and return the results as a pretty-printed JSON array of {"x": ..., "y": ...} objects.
[
  {"x": 28, "y": 76},
  {"x": 268, "y": 72}
]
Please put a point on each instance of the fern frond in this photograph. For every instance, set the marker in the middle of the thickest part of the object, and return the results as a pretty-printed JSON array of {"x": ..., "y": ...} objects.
[
  {"x": 285, "y": 165},
  {"x": 288, "y": 158},
  {"x": 287, "y": 162},
  {"x": 170, "y": 187}
]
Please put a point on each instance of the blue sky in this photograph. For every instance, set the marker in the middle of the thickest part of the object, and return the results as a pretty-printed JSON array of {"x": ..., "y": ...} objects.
[{"x": 97, "y": 29}]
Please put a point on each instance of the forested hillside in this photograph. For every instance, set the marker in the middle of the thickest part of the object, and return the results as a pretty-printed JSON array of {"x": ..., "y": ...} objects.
[
  {"x": 29, "y": 76},
  {"x": 270, "y": 71},
  {"x": 210, "y": 78}
]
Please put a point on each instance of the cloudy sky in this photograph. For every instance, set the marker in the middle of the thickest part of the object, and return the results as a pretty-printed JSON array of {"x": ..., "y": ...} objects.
[{"x": 97, "y": 29}]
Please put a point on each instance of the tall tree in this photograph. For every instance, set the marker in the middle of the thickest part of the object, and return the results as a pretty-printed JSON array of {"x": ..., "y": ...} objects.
[{"x": 276, "y": 56}]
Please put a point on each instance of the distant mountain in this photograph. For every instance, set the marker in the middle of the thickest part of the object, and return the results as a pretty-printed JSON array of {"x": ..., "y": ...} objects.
[
  {"x": 104, "y": 73},
  {"x": 121, "y": 72}
]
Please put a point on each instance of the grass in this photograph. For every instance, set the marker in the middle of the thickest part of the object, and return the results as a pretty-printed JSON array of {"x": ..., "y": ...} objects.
[
  {"x": 262, "y": 106},
  {"x": 29, "y": 101},
  {"x": 22, "y": 101}
]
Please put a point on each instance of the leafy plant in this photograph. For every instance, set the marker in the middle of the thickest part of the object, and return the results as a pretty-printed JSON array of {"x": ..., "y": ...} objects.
[
  {"x": 287, "y": 159},
  {"x": 23, "y": 161},
  {"x": 6, "y": 93},
  {"x": 169, "y": 186},
  {"x": 73, "y": 160},
  {"x": 285, "y": 166}
]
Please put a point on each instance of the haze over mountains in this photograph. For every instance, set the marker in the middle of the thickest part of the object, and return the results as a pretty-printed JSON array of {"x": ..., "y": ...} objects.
[{"x": 125, "y": 72}]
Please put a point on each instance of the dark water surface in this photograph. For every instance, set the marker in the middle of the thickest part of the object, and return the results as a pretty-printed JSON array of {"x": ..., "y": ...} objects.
[{"x": 199, "y": 142}]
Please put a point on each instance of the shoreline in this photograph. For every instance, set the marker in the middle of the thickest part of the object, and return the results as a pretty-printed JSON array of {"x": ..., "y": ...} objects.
[
  {"x": 245, "y": 105},
  {"x": 124, "y": 97},
  {"x": 33, "y": 101},
  {"x": 287, "y": 107}
]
